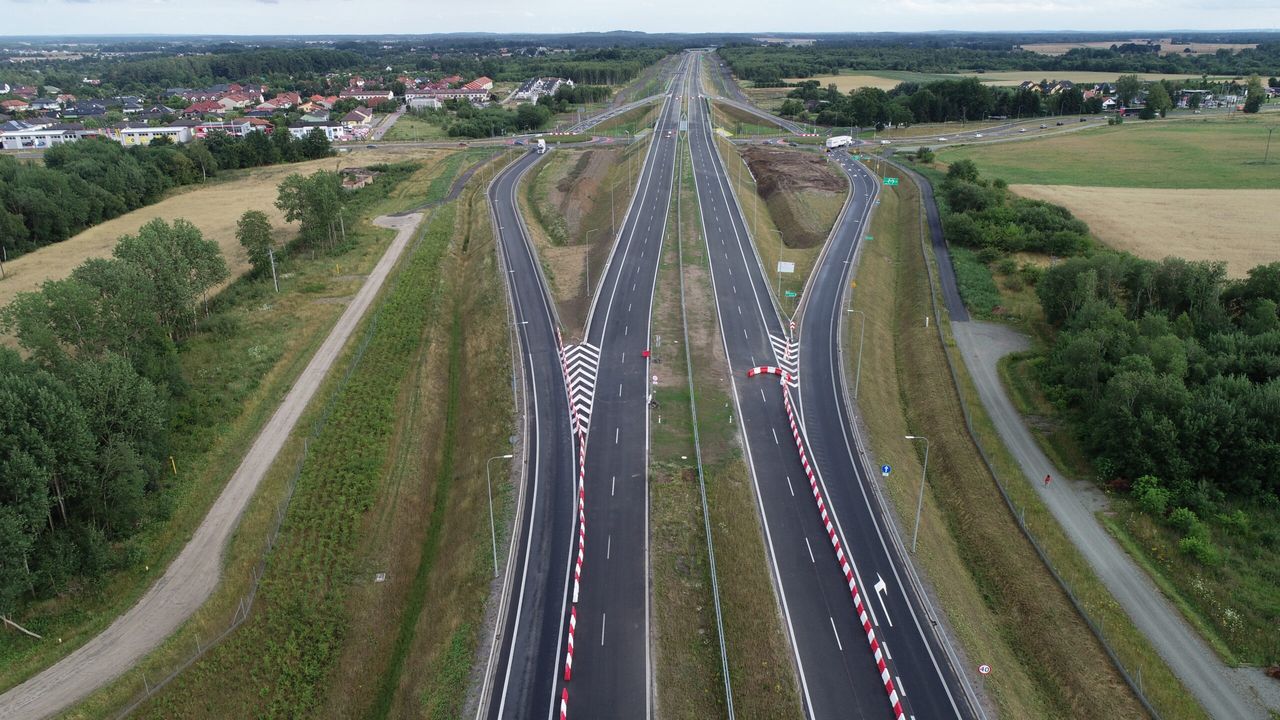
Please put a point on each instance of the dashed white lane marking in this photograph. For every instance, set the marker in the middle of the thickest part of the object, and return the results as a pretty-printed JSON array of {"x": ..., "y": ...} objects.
[
  {"x": 616, "y": 432},
  {"x": 833, "y": 632},
  {"x": 603, "y": 617},
  {"x": 628, "y": 307},
  {"x": 608, "y": 548},
  {"x": 626, "y": 330},
  {"x": 764, "y": 399},
  {"x": 739, "y": 309},
  {"x": 900, "y": 690},
  {"x": 811, "y": 559},
  {"x": 613, "y": 485},
  {"x": 775, "y": 439},
  {"x": 619, "y": 389},
  {"x": 885, "y": 647},
  {"x": 744, "y": 334}
]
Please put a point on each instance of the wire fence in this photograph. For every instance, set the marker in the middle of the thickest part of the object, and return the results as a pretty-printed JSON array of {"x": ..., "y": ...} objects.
[
  {"x": 1132, "y": 676},
  {"x": 245, "y": 605}
]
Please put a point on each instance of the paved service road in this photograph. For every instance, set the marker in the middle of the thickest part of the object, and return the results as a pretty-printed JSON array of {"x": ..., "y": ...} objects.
[
  {"x": 838, "y": 675},
  {"x": 521, "y": 672},
  {"x": 193, "y": 575}
]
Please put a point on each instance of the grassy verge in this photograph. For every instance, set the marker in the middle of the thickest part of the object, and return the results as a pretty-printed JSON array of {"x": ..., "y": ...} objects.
[
  {"x": 1001, "y": 602},
  {"x": 631, "y": 122},
  {"x": 760, "y": 668},
  {"x": 272, "y": 336},
  {"x": 572, "y": 201},
  {"x": 739, "y": 122},
  {"x": 687, "y": 660},
  {"x": 411, "y": 128}
]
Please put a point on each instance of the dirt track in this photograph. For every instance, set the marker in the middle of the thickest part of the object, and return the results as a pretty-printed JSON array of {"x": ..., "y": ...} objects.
[{"x": 192, "y": 577}]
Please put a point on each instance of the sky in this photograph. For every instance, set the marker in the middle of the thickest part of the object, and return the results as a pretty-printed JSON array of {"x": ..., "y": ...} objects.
[{"x": 303, "y": 17}]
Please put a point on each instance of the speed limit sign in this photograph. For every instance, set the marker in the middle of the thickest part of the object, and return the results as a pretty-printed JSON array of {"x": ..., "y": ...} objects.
[{"x": 984, "y": 669}]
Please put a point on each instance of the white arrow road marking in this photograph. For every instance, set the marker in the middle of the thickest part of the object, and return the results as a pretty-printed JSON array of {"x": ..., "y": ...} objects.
[{"x": 881, "y": 588}]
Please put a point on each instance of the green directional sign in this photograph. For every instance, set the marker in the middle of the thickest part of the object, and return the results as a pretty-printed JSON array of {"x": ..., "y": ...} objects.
[
  {"x": 891, "y": 181},
  {"x": 790, "y": 293}
]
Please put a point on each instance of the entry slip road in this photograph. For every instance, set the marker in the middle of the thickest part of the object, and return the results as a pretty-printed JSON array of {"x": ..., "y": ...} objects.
[
  {"x": 612, "y": 670},
  {"x": 935, "y": 687},
  {"x": 838, "y": 675},
  {"x": 521, "y": 673},
  {"x": 193, "y": 575}
]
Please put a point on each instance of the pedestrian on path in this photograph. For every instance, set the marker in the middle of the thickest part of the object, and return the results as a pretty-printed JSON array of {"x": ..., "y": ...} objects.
[{"x": 1048, "y": 479}]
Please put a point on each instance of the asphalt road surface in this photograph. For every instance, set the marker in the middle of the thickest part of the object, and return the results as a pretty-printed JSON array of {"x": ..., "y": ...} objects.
[
  {"x": 520, "y": 675},
  {"x": 838, "y": 675},
  {"x": 191, "y": 578},
  {"x": 612, "y": 674}
]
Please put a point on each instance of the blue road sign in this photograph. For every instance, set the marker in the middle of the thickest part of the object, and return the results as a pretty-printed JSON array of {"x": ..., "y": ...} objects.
[{"x": 885, "y": 470}]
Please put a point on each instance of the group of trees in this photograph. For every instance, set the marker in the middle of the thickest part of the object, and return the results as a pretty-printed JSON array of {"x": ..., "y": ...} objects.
[
  {"x": 983, "y": 215},
  {"x": 768, "y": 66},
  {"x": 84, "y": 417},
  {"x": 87, "y": 182},
  {"x": 1172, "y": 374},
  {"x": 566, "y": 97},
  {"x": 473, "y": 122},
  {"x": 317, "y": 201}
]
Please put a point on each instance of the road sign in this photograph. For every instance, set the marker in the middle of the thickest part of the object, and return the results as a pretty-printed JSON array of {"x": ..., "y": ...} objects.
[
  {"x": 984, "y": 669},
  {"x": 885, "y": 470},
  {"x": 786, "y": 267},
  {"x": 870, "y": 238},
  {"x": 891, "y": 181},
  {"x": 790, "y": 293}
]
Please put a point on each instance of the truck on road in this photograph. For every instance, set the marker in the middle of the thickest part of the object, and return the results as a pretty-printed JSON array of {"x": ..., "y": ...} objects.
[
  {"x": 542, "y": 146},
  {"x": 838, "y": 141}
]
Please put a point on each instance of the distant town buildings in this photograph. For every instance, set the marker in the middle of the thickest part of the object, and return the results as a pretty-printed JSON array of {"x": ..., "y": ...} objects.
[{"x": 535, "y": 88}]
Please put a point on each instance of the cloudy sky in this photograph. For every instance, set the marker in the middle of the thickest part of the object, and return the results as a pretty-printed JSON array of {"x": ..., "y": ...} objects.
[{"x": 248, "y": 17}]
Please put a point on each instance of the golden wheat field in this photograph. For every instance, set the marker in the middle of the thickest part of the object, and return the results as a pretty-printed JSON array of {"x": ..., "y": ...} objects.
[{"x": 1195, "y": 224}]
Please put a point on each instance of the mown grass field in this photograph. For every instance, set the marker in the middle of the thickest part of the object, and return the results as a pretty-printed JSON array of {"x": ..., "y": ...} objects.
[
  {"x": 213, "y": 207},
  {"x": 270, "y": 338},
  {"x": 889, "y": 79},
  {"x": 411, "y": 127},
  {"x": 630, "y": 122},
  {"x": 1000, "y": 601},
  {"x": 739, "y": 122},
  {"x": 1162, "y": 154}
]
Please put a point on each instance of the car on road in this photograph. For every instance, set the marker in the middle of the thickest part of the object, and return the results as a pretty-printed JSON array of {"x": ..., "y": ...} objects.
[
  {"x": 884, "y": 142},
  {"x": 942, "y": 139},
  {"x": 978, "y": 135},
  {"x": 1043, "y": 126},
  {"x": 519, "y": 142},
  {"x": 462, "y": 144},
  {"x": 1022, "y": 129},
  {"x": 371, "y": 146},
  {"x": 1060, "y": 123}
]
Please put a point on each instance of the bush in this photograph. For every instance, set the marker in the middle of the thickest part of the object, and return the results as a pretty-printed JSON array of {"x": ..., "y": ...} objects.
[
  {"x": 1152, "y": 498},
  {"x": 1201, "y": 549},
  {"x": 1007, "y": 266},
  {"x": 1183, "y": 519},
  {"x": 973, "y": 279},
  {"x": 1031, "y": 273}
]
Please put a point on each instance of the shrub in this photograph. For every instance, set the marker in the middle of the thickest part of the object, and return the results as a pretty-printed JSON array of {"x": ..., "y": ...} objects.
[
  {"x": 1007, "y": 266},
  {"x": 1201, "y": 549},
  {"x": 1183, "y": 519},
  {"x": 973, "y": 279},
  {"x": 1031, "y": 273},
  {"x": 1152, "y": 498}
]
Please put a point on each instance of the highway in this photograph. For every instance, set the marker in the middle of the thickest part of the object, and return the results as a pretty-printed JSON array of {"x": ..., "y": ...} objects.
[
  {"x": 611, "y": 671},
  {"x": 838, "y": 674},
  {"x": 612, "y": 668},
  {"x": 520, "y": 676}
]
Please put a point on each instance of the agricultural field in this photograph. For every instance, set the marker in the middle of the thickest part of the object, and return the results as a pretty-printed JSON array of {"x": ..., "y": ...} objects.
[
  {"x": 889, "y": 79},
  {"x": 1166, "y": 154},
  {"x": 1167, "y": 46},
  {"x": 1193, "y": 224},
  {"x": 410, "y": 128},
  {"x": 213, "y": 207}
]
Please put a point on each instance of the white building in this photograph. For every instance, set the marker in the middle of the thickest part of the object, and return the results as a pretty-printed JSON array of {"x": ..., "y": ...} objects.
[
  {"x": 144, "y": 135},
  {"x": 42, "y": 136},
  {"x": 333, "y": 131}
]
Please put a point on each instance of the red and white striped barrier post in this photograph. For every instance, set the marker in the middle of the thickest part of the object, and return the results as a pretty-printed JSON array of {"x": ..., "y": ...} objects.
[
  {"x": 568, "y": 658},
  {"x": 843, "y": 559},
  {"x": 564, "y": 704}
]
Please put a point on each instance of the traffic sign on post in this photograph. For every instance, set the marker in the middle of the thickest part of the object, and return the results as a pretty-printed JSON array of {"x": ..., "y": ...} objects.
[
  {"x": 885, "y": 470},
  {"x": 891, "y": 181},
  {"x": 790, "y": 293},
  {"x": 984, "y": 669}
]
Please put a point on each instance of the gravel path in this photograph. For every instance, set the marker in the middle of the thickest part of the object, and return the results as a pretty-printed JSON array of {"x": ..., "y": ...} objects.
[
  {"x": 1225, "y": 693},
  {"x": 193, "y": 575}
]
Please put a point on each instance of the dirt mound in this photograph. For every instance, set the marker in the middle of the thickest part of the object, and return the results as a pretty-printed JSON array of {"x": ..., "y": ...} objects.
[{"x": 778, "y": 169}]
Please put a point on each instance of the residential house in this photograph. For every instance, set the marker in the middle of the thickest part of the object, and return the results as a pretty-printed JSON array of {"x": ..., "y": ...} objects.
[
  {"x": 14, "y": 106},
  {"x": 4, "y": 88},
  {"x": 205, "y": 107},
  {"x": 1060, "y": 86},
  {"x": 43, "y": 103},
  {"x": 65, "y": 99},
  {"x": 534, "y": 88},
  {"x": 480, "y": 83},
  {"x": 286, "y": 100},
  {"x": 315, "y": 117},
  {"x": 85, "y": 109},
  {"x": 360, "y": 117},
  {"x": 26, "y": 92},
  {"x": 421, "y": 101},
  {"x": 451, "y": 80}
]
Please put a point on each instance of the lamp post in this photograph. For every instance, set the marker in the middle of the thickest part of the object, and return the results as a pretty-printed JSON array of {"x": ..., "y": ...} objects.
[
  {"x": 594, "y": 229},
  {"x": 1267, "y": 153},
  {"x": 920, "y": 502},
  {"x": 493, "y": 530},
  {"x": 862, "y": 336}
]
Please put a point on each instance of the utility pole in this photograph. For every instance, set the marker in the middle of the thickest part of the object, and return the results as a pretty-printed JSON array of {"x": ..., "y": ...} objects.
[
  {"x": 1267, "y": 154},
  {"x": 271, "y": 254},
  {"x": 588, "y": 293},
  {"x": 493, "y": 532},
  {"x": 920, "y": 502},
  {"x": 862, "y": 336}
]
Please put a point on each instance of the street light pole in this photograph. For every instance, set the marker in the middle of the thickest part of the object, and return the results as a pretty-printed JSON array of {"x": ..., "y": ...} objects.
[
  {"x": 779, "y": 261},
  {"x": 493, "y": 530},
  {"x": 919, "y": 502},
  {"x": 1267, "y": 153},
  {"x": 862, "y": 336},
  {"x": 589, "y": 260}
]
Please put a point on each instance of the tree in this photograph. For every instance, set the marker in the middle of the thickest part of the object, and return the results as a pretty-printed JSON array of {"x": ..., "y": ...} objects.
[
  {"x": 315, "y": 145},
  {"x": 253, "y": 230},
  {"x": 1257, "y": 95},
  {"x": 1128, "y": 88},
  {"x": 1158, "y": 100},
  {"x": 924, "y": 154},
  {"x": 181, "y": 264},
  {"x": 966, "y": 170}
]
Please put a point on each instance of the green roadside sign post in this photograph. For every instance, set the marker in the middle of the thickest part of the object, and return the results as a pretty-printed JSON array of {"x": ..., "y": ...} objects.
[
  {"x": 791, "y": 294},
  {"x": 891, "y": 181}
]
